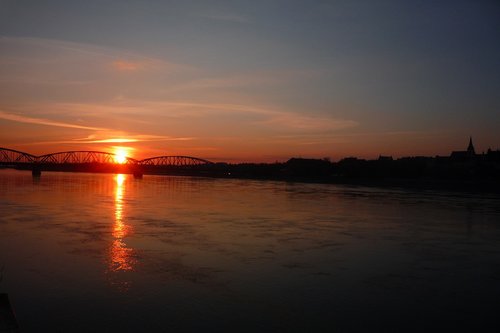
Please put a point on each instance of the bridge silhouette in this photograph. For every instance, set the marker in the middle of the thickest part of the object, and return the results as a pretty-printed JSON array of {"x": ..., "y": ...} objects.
[{"x": 98, "y": 161}]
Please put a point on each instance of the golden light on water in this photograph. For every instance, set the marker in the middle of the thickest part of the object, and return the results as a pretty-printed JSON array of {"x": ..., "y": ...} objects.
[
  {"x": 119, "y": 227},
  {"x": 122, "y": 257}
]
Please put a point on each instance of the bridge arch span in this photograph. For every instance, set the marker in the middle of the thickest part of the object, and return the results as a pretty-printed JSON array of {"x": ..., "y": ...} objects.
[
  {"x": 174, "y": 161},
  {"x": 83, "y": 157},
  {"x": 11, "y": 156}
]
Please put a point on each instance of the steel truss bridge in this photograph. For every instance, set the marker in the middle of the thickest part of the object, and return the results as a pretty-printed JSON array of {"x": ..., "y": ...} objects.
[{"x": 97, "y": 161}]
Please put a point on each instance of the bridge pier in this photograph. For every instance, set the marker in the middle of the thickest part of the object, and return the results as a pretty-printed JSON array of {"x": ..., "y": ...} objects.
[
  {"x": 136, "y": 171},
  {"x": 36, "y": 172}
]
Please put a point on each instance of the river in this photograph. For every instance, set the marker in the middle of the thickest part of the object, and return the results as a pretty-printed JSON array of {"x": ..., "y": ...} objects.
[{"x": 101, "y": 252}]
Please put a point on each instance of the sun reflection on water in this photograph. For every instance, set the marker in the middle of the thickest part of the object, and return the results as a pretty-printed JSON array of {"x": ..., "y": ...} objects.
[{"x": 122, "y": 257}]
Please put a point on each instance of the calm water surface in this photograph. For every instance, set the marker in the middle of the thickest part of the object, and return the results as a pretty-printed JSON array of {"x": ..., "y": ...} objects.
[{"x": 99, "y": 252}]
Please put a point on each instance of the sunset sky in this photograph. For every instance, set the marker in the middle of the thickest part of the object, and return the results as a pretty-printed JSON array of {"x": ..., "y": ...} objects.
[{"x": 250, "y": 80}]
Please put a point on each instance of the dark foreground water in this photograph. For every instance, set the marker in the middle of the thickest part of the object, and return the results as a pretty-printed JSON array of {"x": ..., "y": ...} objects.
[{"x": 103, "y": 253}]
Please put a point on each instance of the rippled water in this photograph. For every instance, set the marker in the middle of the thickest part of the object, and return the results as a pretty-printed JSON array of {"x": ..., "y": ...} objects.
[{"x": 100, "y": 252}]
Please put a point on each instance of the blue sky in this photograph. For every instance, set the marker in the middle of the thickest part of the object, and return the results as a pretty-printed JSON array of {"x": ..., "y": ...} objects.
[{"x": 250, "y": 80}]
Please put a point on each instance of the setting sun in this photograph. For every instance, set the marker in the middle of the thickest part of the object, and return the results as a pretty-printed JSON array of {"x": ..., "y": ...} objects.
[{"x": 121, "y": 154}]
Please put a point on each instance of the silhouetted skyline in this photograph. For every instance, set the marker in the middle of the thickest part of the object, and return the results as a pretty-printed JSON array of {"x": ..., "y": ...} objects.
[{"x": 462, "y": 169}]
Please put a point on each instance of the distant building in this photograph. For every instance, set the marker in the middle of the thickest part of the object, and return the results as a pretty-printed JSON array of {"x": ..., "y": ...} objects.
[
  {"x": 493, "y": 155},
  {"x": 385, "y": 158},
  {"x": 464, "y": 155}
]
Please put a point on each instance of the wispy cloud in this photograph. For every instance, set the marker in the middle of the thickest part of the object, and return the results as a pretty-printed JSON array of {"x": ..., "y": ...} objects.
[
  {"x": 128, "y": 138},
  {"x": 122, "y": 65},
  {"x": 315, "y": 123},
  {"x": 184, "y": 111},
  {"x": 243, "y": 79},
  {"x": 73, "y": 47},
  {"x": 102, "y": 139},
  {"x": 51, "y": 56},
  {"x": 270, "y": 116},
  {"x": 46, "y": 122},
  {"x": 111, "y": 140}
]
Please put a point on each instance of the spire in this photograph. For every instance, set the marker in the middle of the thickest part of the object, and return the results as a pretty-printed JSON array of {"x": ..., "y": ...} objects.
[{"x": 470, "y": 149}]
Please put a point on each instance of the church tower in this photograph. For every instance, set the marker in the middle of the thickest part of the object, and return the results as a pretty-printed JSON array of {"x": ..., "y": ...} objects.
[{"x": 470, "y": 150}]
